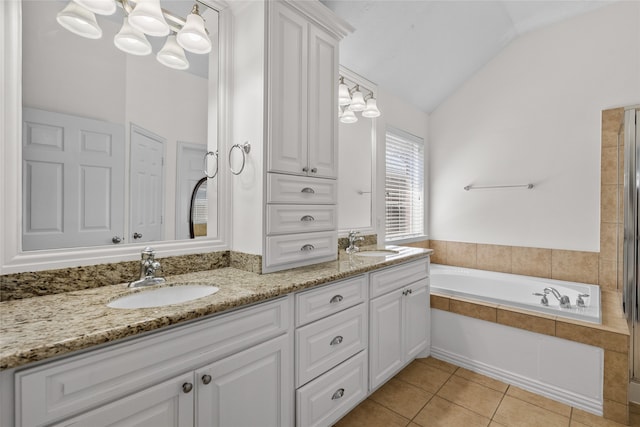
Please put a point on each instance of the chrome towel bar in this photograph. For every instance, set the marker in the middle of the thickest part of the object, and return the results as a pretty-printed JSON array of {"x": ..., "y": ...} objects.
[{"x": 471, "y": 187}]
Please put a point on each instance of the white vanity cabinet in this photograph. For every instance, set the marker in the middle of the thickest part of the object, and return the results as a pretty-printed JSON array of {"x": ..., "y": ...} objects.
[
  {"x": 205, "y": 374},
  {"x": 399, "y": 318}
]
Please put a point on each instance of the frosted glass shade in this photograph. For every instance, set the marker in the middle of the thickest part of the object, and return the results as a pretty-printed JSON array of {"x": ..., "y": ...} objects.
[
  {"x": 343, "y": 95},
  {"x": 101, "y": 7},
  {"x": 172, "y": 55},
  {"x": 131, "y": 41},
  {"x": 147, "y": 17},
  {"x": 193, "y": 36},
  {"x": 371, "y": 111},
  {"x": 348, "y": 117},
  {"x": 357, "y": 101},
  {"x": 80, "y": 21}
]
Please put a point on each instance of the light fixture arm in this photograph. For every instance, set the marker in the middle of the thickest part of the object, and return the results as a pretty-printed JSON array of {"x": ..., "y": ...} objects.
[{"x": 175, "y": 22}]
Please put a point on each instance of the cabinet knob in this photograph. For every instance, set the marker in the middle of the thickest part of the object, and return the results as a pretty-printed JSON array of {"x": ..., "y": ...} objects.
[
  {"x": 187, "y": 387},
  {"x": 307, "y": 248},
  {"x": 307, "y": 218},
  {"x": 338, "y": 394},
  {"x": 307, "y": 190},
  {"x": 137, "y": 235},
  {"x": 116, "y": 240},
  {"x": 305, "y": 169},
  {"x": 206, "y": 379},
  {"x": 314, "y": 170},
  {"x": 336, "y": 299},
  {"x": 336, "y": 340}
]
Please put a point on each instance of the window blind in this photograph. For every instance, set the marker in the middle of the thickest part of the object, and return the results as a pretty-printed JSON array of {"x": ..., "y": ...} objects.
[{"x": 404, "y": 181}]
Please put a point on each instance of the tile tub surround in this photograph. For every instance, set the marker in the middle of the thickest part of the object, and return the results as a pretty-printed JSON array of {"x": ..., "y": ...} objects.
[
  {"x": 38, "y": 328},
  {"x": 612, "y": 335}
]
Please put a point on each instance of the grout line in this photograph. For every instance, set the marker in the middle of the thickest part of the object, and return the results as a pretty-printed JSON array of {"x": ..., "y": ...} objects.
[
  {"x": 498, "y": 407},
  {"x": 542, "y": 407}
]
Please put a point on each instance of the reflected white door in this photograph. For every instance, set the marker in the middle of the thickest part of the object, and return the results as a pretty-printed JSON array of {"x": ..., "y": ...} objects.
[
  {"x": 72, "y": 181},
  {"x": 147, "y": 189},
  {"x": 190, "y": 169}
]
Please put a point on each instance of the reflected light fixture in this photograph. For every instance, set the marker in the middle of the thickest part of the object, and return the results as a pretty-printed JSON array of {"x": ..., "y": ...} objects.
[
  {"x": 371, "y": 110},
  {"x": 357, "y": 100},
  {"x": 193, "y": 36},
  {"x": 348, "y": 116},
  {"x": 79, "y": 20},
  {"x": 172, "y": 55},
  {"x": 352, "y": 100},
  {"x": 131, "y": 41},
  {"x": 147, "y": 17},
  {"x": 100, "y": 7},
  {"x": 344, "y": 97}
]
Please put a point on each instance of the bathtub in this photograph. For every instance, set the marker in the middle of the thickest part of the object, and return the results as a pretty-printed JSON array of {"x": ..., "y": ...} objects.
[{"x": 516, "y": 291}]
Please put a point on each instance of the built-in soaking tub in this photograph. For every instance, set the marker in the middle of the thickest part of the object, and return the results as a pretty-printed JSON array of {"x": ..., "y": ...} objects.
[
  {"x": 517, "y": 291},
  {"x": 498, "y": 346}
]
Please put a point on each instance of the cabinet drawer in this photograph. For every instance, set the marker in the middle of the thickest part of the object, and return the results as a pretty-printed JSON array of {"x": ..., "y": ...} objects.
[
  {"x": 299, "y": 189},
  {"x": 57, "y": 390},
  {"x": 287, "y": 219},
  {"x": 323, "y": 344},
  {"x": 299, "y": 248},
  {"x": 329, "y": 397},
  {"x": 398, "y": 276},
  {"x": 318, "y": 303}
]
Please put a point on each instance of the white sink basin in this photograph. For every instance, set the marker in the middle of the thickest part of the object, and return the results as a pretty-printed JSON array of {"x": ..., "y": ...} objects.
[
  {"x": 378, "y": 252},
  {"x": 163, "y": 296}
]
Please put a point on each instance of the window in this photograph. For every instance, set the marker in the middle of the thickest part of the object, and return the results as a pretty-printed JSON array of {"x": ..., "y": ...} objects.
[{"x": 404, "y": 179}]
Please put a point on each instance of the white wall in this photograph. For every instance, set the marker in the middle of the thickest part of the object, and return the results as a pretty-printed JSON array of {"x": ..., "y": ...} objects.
[
  {"x": 401, "y": 115},
  {"x": 532, "y": 114}
]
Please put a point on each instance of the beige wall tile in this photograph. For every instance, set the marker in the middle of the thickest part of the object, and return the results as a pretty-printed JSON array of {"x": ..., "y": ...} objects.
[
  {"x": 424, "y": 244},
  {"x": 473, "y": 309},
  {"x": 609, "y": 166},
  {"x": 531, "y": 261},
  {"x": 534, "y": 323},
  {"x": 543, "y": 402},
  {"x": 620, "y": 208},
  {"x": 575, "y": 266},
  {"x": 609, "y": 241},
  {"x": 609, "y": 203},
  {"x": 621, "y": 165},
  {"x": 441, "y": 303},
  {"x": 607, "y": 274},
  {"x": 439, "y": 255},
  {"x": 441, "y": 413},
  {"x": 401, "y": 397},
  {"x": 620, "y": 274},
  {"x": 462, "y": 254},
  {"x": 515, "y": 412},
  {"x": 592, "y": 336},
  {"x": 494, "y": 258},
  {"x": 611, "y": 120},
  {"x": 616, "y": 376},
  {"x": 615, "y": 411},
  {"x": 478, "y": 398}
]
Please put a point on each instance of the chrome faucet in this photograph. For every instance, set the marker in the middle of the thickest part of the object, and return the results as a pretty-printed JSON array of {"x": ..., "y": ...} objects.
[
  {"x": 563, "y": 299},
  {"x": 580, "y": 301},
  {"x": 353, "y": 238},
  {"x": 148, "y": 267}
]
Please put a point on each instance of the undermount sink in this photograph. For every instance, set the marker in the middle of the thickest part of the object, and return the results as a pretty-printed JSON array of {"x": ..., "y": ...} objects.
[
  {"x": 163, "y": 296},
  {"x": 377, "y": 252}
]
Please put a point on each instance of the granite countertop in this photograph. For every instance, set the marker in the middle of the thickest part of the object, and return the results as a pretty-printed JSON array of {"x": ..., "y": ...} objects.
[{"x": 35, "y": 329}]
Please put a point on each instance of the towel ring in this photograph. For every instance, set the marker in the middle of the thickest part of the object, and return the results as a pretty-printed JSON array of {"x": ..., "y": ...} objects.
[
  {"x": 244, "y": 149},
  {"x": 206, "y": 164}
]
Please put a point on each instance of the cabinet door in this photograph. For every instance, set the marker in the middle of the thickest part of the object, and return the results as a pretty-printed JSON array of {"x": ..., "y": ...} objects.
[
  {"x": 385, "y": 341},
  {"x": 323, "y": 125},
  {"x": 168, "y": 404},
  {"x": 287, "y": 91},
  {"x": 253, "y": 388},
  {"x": 416, "y": 318}
]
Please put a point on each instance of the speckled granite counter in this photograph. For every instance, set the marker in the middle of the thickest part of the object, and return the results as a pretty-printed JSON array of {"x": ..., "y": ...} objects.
[{"x": 35, "y": 329}]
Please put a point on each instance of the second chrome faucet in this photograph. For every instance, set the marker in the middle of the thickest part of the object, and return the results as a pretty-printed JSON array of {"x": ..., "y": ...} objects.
[{"x": 148, "y": 268}]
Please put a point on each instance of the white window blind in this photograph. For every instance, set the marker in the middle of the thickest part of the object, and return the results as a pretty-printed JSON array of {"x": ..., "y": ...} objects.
[{"x": 404, "y": 181}]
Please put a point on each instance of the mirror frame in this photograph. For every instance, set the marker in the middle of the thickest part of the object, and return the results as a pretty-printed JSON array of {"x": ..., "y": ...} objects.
[{"x": 12, "y": 258}]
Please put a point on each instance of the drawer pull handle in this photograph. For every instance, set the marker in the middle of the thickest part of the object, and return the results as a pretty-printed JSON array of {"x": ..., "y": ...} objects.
[
  {"x": 314, "y": 170},
  {"x": 206, "y": 379},
  {"x": 307, "y": 248},
  {"x": 307, "y": 218},
  {"x": 338, "y": 394},
  {"x": 305, "y": 169},
  {"x": 336, "y": 299},
  {"x": 308, "y": 190},
  {"x": 336, "y": 340},
  {"x": 187, "y": 387}
]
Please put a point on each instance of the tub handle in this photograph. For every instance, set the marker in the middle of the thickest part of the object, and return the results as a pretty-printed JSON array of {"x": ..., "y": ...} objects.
[{"x": 544, "y": 300}]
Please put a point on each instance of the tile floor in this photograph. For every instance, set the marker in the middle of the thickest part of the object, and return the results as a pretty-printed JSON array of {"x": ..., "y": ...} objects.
[{"x": 433, "y": 393}]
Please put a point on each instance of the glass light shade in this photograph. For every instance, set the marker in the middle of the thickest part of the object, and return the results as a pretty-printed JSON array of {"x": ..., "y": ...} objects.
[
  {"x": 147, "y": 17},
  {"x": 340, "y": 112},
  {"x": 357, "y": 101},
  {"x": 172, "y": 55},
  {"x": 371, "y": 110},
  {"x": 101, "y": 7},
  {"x": 80, "y": 21},
  {"x": 193, "y": 36},
  {"x": 131, "y": 41},
  {"x": 348, "y": 117},
  {"x": 343, "y": 95}
]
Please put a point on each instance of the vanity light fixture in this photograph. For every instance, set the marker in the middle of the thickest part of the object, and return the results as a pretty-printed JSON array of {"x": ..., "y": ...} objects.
[
  {"x": 141, "y": 17},
  {"x": 352, "y": 100}
]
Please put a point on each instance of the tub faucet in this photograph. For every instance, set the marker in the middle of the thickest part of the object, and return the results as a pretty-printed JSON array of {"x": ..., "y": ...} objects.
[
  {"x": 563, "y": 299},
  {"x": 148, "y": 267},
  {"x": 580, "y": 301},
  {"x": 353, "y": 238}
]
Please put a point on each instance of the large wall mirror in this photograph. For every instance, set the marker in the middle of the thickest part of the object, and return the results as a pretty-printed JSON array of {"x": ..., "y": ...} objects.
[{"x": 110, "y": 145}]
